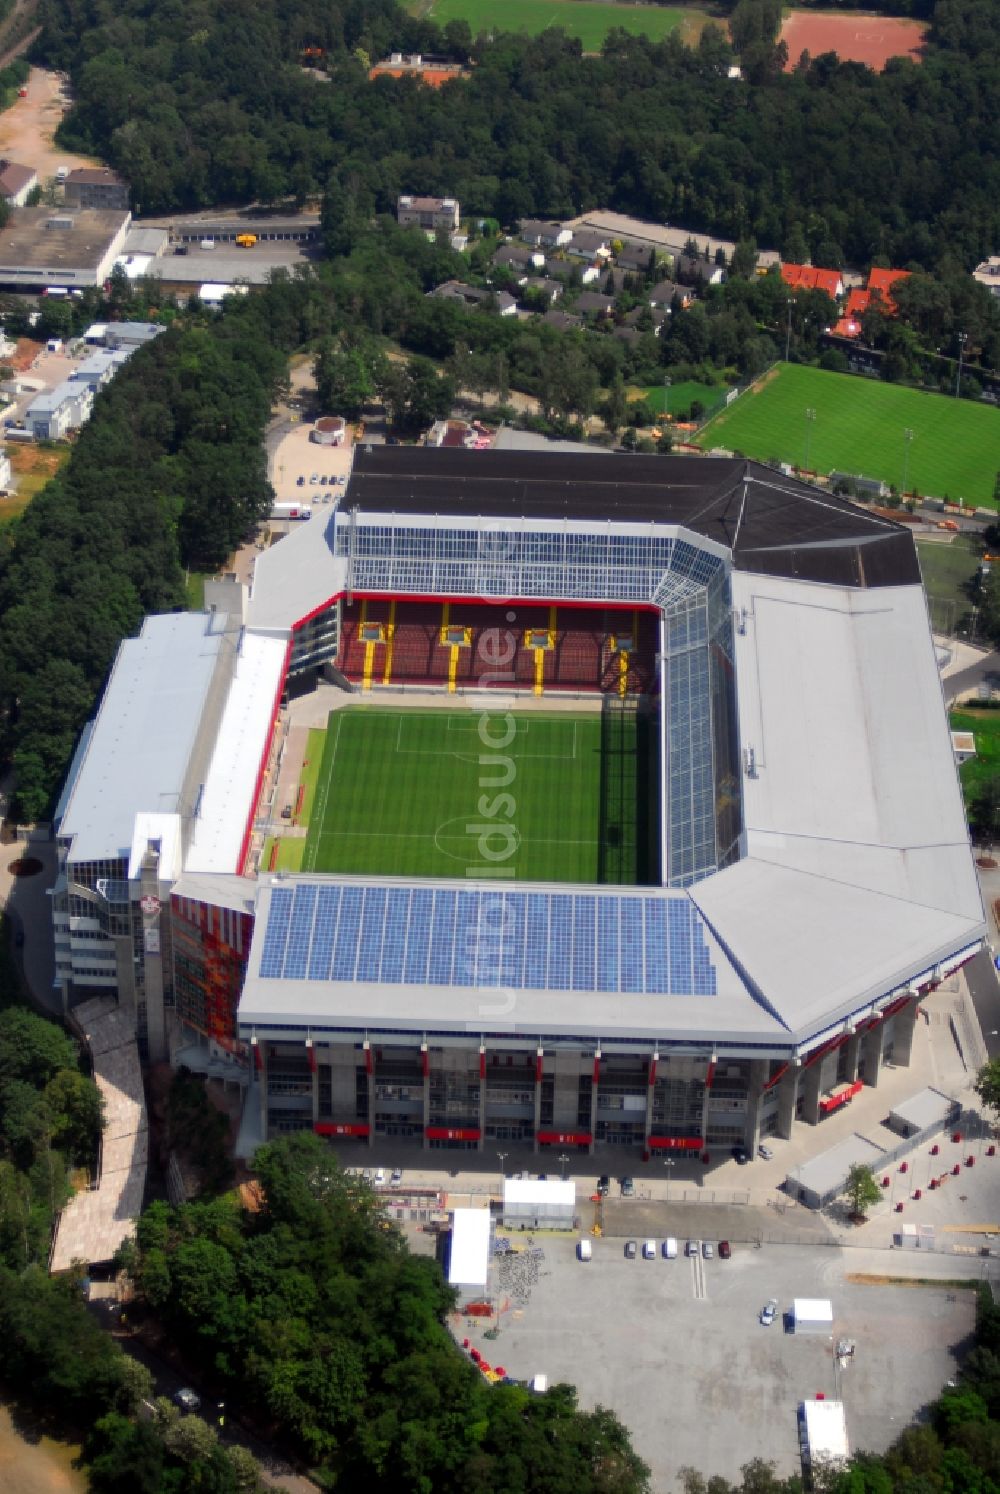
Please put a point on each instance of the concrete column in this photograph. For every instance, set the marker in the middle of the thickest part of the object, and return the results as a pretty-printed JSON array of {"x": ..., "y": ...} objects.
[
  {"x": 539, "y": 1071},
  {"x": 902, "y": 1034},
  {"x": 755, "y": 1090},
  {"x": 370, "y": 1116},
  {"x": 262, "y": 1081},
  {"x": 871, "y": 1051},
  {"x": 482, "y": 1102},
  {"x": 853, "y": 1050},
  {"x": 788, "y": 1094},
  {"x": 647, "y": 1133},
  {"x": 595, "y": 1088},
  {"x": 315, "y": 1085},
  {"x": 812, "y": 1080},
  {"x": 427, "y": 1102}
]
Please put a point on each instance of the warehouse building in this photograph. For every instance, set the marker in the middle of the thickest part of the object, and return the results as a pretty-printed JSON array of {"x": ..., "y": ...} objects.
[{"x": 42, "y": 247}]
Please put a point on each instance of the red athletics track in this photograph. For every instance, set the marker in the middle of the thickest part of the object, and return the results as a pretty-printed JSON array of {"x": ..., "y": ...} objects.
[{"x": 854, "y": 38}]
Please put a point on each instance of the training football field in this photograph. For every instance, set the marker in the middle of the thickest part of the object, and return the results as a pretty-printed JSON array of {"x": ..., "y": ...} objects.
[
  {"x": 839, "y": 422},
  {"x": 455, "y": 793}
]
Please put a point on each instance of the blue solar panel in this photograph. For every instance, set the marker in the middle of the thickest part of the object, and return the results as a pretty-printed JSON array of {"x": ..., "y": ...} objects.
[{"x": 611, "y": 941}]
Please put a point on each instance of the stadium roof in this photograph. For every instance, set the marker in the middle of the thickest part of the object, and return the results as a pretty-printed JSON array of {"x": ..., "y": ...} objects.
[
  {"x": 770, "y": 523},
  {"x": 351, "y": 953},
  {"x": 140, "y": 747}
]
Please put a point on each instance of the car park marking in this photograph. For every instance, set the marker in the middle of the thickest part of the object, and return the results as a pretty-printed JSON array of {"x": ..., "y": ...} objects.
[{"x": 699, "y": 1280}]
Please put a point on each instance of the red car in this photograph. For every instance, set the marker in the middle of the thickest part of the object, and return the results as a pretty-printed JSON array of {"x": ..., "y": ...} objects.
[{"x": 725, "y": 1250}]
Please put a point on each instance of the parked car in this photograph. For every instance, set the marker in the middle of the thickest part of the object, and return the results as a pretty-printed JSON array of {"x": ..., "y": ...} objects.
[
  {"x": 631, "y": 1250},
  {"x": 379, "y": 1178},
  {"x": 584, "y": 1250},
  {"x": 707, "y": 1249},
  {"x": 740, "y": 1155},
  {"x": 649, "y": 1250},
  {"x": 314, "y": 479},
  {"x": 628, "y": 1187},
  {"x": 768, "y": 1312},
  {"x": 691, "y": 1248},
  {"x": 725, "y": 1250},
  {"x": 300, "y": 481},
  {"x": 187, "y": 1399},
  {"x": 396, "y": 1178},
  {"x": 669, "y": 1248},
  {"x": 604, "y": 1186},
  {"x": 765, "y": 1152}
]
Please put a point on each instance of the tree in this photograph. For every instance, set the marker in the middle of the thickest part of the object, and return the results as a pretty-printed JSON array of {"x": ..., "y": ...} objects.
[
  {"x": 987, "y": 1086},
  {"x": 862, "y": 1190}
]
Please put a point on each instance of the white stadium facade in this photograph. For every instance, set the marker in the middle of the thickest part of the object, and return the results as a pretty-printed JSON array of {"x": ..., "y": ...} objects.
[{"x": 814, "y": 875}]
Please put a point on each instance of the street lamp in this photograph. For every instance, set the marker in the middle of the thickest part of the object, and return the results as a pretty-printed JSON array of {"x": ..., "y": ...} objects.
[
  {"x": 788, "y": 330},
  {"x": 666, "y": 398},
  {"x": 810, "y": 418},
  {"x": 907, "y": 438},
  {"x": 669, "y": 1163},
  {"x": 563, "y": 1159},
  {"x": 503, "y": 1158},
  {"x": 962, "y": 339}
]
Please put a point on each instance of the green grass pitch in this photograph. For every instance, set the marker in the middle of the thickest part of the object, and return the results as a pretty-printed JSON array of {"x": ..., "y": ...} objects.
[
  {"x": 859, "y": 426},
  {"x": 586, "y": 19},
  {"x": 417, "y": 793}
]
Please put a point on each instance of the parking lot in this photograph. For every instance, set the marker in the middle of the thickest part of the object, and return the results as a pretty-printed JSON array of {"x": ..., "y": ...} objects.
[{"x": 676, "y": 1349}]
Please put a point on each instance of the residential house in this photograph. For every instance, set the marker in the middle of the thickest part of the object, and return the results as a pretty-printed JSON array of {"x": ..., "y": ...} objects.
[
  {"x": 664, "y": 292},
  {"x": 131, "y": 335},
  {"x": 434, "y": 71},
  {"x": 880, "y": 284},
  {"x": 691, "y": 270},
  {"x": 59, "y": 410},
  {"x": 637, "y": 319},
  {"x": 563, "y": 321},
  {"x": 988, "y": 274},
  {"x": 99, "y": 369},
  {"x": 16, "y": 183},
  {"x": 559, "y": 269},
  {"x": 506, "y": 304},
  {"x": 594, "y": 303},
  {"x": 809, "y": 277},
  {"x": 517, "y": 258},
  {"x": 634, "y": 257},
  {"x": 589, "y": 245},
  {"x": 868, "y": 488},
  {"x": 474, "y": 295},
  {"x": 550, "y": 289},
  {"x": 628, "y": 335},
  {"x": 96, "y": 187},
  {"x": 548, "y": 235},
  {"x": 451, "y": 433},
  {"x": 877, "y": 296},
  {"x": 432, "y": 214}
]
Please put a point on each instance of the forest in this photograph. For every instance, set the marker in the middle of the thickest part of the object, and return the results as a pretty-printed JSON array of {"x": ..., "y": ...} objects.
[{"x": 199, "y": 104}]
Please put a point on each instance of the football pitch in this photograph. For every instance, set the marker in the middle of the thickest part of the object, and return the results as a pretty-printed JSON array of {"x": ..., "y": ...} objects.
[
  {"x": 455, "y": 793},
  {"x": 588, "y": 20},
  {"x": 859, "y": 426}
]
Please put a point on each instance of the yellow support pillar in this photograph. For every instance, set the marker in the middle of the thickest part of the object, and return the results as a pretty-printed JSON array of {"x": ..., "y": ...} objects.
[
  {"x": 539, "y": 671},
  {"x": 390, "y": 632}
]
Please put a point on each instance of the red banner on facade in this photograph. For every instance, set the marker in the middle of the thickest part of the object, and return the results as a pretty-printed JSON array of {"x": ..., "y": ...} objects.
[
  {"x": 841, "y": 1097},
  {"x": 341, "y": 1128},
  {"x": 710, "y": 1075},
  {"x": 425, "y": 1062},
  {"x": 369, "y": 1062},
  {"x": 482, "y": 1065},
  {"x": 564, "y": 1138},
  {"x": 445, "y": 1133},
  {"x": 652, "y": 1072},
  {"x": 258, "y": 1057},
  {"x": 539, "y": 1067},
  {"x": 597, "y": 1068},
  {"x": 675, "y": 1143},
  {"x": 311, "y": 1056}
]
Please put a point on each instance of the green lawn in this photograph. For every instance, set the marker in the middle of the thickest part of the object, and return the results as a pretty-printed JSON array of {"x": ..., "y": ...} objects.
[
  {"x": 986, "y": 764},
  {"x": 946, "y": 567},
  {"x": 424, "y": 793},
  {"x": 681, "y": 395},
  {"x": 585, "y": 19},
  {"x": 859, "y": 427}
]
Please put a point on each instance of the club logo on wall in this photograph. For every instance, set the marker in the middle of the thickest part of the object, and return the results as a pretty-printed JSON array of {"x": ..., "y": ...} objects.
[{"x": 150, "y": 905}]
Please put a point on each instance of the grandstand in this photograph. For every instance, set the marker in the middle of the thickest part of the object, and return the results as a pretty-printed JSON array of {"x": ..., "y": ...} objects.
[{"x": 778, "y": 860}]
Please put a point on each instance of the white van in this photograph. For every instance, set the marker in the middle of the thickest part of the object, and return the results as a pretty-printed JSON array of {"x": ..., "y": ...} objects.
[
  {"x": 670, "y": 1248},
  {"x": 584, "y": 1250}
]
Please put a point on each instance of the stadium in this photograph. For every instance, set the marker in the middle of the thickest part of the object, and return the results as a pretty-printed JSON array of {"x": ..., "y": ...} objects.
[{"x": 546, "y": 798}]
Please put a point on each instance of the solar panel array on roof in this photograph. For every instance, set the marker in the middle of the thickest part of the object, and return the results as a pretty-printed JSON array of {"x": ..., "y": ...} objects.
[{"x": 603, "y": 941}]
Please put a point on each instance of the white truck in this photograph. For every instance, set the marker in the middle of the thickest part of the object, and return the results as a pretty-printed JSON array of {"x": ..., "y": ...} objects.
[{"x": 291, "y": 511}]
